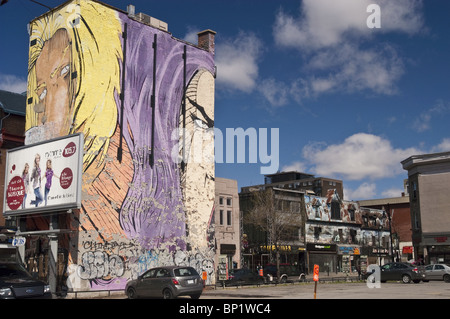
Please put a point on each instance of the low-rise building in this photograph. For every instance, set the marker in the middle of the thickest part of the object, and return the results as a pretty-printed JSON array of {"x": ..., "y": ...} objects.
[
  {"x": 429, "y": 187},
  {"x": 227, "y": 222},
  {"x": 337, "y": 235},
  {"x": 12, "y": 132},
  {"x": 399, "y": 213}
]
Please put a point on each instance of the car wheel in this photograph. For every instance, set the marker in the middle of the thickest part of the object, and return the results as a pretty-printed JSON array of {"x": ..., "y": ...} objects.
[
  {"x": 406, "y": 279},
  {"x": 131, "y": 293},
  {"x": 167, "y": 294},
  {"x": 197, "y": 296},
  {"x": 447, "y": 278}
]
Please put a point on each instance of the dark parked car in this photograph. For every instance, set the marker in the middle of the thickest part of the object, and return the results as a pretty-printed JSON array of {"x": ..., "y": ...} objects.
[
  {"x": 400, "y": 271},
  {"x": 17, "y": 283},
  {"x": 167, "y": 282},
  {"x": 437, "y": 272},
  {"x": 287, "y": 273},
  {"x": 243, "y": 276}
]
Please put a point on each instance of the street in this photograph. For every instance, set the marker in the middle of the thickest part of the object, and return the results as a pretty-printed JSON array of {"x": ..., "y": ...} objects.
[{"x": 389, "y": 290}]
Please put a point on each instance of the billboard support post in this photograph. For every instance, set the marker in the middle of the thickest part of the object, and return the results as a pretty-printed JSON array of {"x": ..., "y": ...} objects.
[{"x": 53, "y": 273}]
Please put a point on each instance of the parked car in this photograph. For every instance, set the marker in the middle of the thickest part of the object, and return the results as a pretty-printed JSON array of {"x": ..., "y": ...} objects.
[
  {"x": 17, "y": 283},
  {"x": 400, "y": 271},
  {"x": 243, "y": 276},
  {"x": 437, "y": 272},
  {"x": 166, "y": 282},
  {"x": 287, "y": 273}
]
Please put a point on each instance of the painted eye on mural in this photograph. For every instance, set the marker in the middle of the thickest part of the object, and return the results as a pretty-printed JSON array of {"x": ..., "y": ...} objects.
[
  {"x": 65, "y": 70},
  {"x": 200, "y": 124},
  {"x": 43, "y": 94}
]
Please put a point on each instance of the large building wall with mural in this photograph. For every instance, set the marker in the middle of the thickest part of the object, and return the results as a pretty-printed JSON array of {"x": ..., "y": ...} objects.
[{"x": 142, "y": 99}]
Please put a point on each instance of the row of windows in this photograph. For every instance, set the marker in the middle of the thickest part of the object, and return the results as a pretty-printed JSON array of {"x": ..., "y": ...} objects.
[
  {"x": 222, "y": 218},
  {"x": 222, "y": 201}
]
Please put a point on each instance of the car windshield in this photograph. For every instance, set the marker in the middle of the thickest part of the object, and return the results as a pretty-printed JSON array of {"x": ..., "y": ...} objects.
[
  {"x": 184, "y": 272},
  {"x": 12, "y": 271}
]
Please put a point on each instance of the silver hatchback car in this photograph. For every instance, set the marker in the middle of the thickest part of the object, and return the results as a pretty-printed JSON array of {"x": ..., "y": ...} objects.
[{"x": 167, "y": 282}]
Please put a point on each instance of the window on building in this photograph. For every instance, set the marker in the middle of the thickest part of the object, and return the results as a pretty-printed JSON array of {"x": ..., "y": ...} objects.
[
  {"x": 335, "y": 209},
  {"x": 220, "y": 200},
  {"x": 291, "y": 233},
  {"x": 221, "y": 217},
  {"x": 229, "y": 215},
  {"x": 353, "y": 235},
  {"x": 341, "y": 236},
  {"x": 228, "y": 201},
  {"x": 295, "y": 207},
  {"x": 414, "y": 189},
  {"x": 351, "y": 211},
  {"x": 317, "y": 231}
]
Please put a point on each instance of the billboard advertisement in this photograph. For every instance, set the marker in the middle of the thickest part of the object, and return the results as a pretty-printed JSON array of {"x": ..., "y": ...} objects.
[{"x": 44, "y": 177}]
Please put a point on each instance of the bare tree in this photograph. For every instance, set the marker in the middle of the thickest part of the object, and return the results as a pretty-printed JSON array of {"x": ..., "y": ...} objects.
[{"x": 277, "y": 213}]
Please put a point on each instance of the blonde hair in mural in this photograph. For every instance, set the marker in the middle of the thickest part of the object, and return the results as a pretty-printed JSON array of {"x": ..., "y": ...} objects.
[{"x": 95, "y": 71}]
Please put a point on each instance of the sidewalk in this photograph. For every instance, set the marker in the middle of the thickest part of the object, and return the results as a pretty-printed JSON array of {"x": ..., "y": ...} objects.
[
  {"x": 333, "y": 276},
  {"x": 323, "y": 277}
]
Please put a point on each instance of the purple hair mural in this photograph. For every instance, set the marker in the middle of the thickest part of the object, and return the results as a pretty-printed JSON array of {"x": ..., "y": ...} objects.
[
  {"x": 127, "y": 101},
  {"x": 153, "y": 209}
]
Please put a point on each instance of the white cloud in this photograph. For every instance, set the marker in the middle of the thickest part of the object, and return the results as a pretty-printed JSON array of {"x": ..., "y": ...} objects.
[
  {"x": 191, "y": 35},
  {"x": 13, "y": 83},
  {"x": 333, "y": 37},
  {"x": 360, "y": 156},
  {"x": 322, "y": 23},
  {"x": 296, "y": 166},
  {"x": 352, "y": 69},
  {"x": 392, "y": 192},
  {"x": 275, "y": 92},
  {"x": 364, "y": 191},
  {"x": 444, "y": 146},
  {"x": 423, "y": 122},
  {"x": 326, "y": 23},
  {"x": 236, "y": 62}
]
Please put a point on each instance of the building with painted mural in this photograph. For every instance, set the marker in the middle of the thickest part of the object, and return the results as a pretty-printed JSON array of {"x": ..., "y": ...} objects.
[
  {"x": 341, "y": 235},
  {"x": 139, "y": 97},
  {"x": 338, "y": 235}
]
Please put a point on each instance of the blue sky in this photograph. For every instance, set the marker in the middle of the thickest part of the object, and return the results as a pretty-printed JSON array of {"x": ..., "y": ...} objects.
[{"x": 350, "y": 102}]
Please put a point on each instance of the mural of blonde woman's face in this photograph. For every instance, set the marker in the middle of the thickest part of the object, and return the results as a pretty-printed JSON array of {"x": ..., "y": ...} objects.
[{"x": 53, "y": 77}]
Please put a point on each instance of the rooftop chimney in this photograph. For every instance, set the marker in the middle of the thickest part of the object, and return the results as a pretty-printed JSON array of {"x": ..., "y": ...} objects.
[
  {"x": 130, "y": 10},
  {"x": 206, "y": 40}
]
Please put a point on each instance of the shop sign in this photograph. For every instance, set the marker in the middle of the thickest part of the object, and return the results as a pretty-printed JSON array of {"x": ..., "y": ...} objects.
[
  {"x": 18, "y": 241},
  {"x": 273, "y": 247},
  {"x": 348, "y": 250},
  {"x": 441, "y": 239},
  {"x": 44, "y": 177},
  {"x": 380, "y": 251},
  {"x": 321, "y": 247},
  {"x": 407, "y": 250}
]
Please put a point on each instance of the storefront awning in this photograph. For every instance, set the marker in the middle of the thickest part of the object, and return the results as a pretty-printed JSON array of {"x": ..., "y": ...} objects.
[{"x": 227, "y": 249}]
